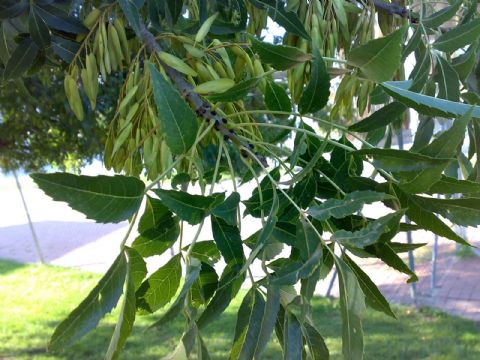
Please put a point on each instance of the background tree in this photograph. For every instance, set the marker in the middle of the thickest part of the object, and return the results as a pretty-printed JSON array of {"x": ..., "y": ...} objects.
[{"x": 199, "y": 99}]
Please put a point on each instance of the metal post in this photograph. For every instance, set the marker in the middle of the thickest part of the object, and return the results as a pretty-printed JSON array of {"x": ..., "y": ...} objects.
[
  {"x": 411, "y": 259},
  {"x": 30, "y": 223},
  {"x": 433, "y": 280},
  {"x": 332, "y": 281}
]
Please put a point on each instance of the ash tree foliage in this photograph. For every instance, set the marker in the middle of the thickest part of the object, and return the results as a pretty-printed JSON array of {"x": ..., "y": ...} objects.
[{"x": 204, "y": 96}]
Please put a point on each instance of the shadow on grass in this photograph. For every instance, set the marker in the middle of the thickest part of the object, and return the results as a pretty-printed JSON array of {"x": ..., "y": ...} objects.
[{"x": 7, "y": 266}]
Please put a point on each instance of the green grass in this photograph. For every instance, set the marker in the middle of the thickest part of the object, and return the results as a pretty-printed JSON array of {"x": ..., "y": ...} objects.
[{"x": 33, "y": 299}]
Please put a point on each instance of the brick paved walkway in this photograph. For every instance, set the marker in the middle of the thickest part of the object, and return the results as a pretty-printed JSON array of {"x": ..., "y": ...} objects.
[{"x": 67, "y": 239}]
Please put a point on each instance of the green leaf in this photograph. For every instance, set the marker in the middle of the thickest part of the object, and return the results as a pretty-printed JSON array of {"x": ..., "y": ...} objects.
[
  {"x": 228, "y": 209},
  {"x": 205, "y": 286},
  {"x": 369, "y": 234},
  {"x": 179, "y": 123},
  {"x": 38, "y": 29},
  {"x": 292, "y": 273},
  {"x": 423, "y": 217},
  {"x": 276, "y": 97},
  {"x": 125, "y": 321},
  {"x": 426, "y": 104},
  {"x": 438, "y": 18},
  {"x": 287, "y": 19},
  {"x": 249, "y": 321},
  {"x": 380, "y": 118},
  {"x": 378, "y": 59},
  {"x": 315, "y": 343},
  {"x": 205, "y": 251},
  {"x": 231, "y": 282},
  {"x": 158, "y": 289},
  {"x": 131, "y": 13},
  {"x": 292, "y": 337},
  {"x": 21, "y": 59},
  {"x": 464, "y": 34},
  {"x": 448, "y": 185},
  {"x": 401, "y": 160},
  {"x": 384, "y": 252},
  {"x": 352, "y": 307},
  {"x": 462, "y": 211},
  {"x": 192, "y": 275},
  {"x": 64, "y": 48},
  {"x": 12, "y": 9},
  {"x": 136, "y": 266},
  {"x": 448, "y": 143},
  {"x": 105, "y": 199},
  {"x": 227, "y": 238},
  {"x": 237, "y": 92},
  {"x": 158, "y": 229},
  {"x": 307, "y": 240},
  {"x": 373, "y": 296},
  {"x": 188, "y": 207},
  {"x": 268, "y": 320},
  {"x": 447, "y": 79},
  {"x": 281, "y": 57},
  {"x": 101, "y": 300},
  {"x": 350, "y": 204},
  {"x": 464, "y": 64},
  {"x": 59, "y": 20},
  {"x": 315, "y": 95}
]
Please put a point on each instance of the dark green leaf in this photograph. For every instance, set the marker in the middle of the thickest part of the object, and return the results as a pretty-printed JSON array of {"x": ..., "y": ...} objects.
[
  {"x": 231, "y": 282},
  {"x": 464, "y": 34},
  {"x": 159, "y": 288},
  {"x": 101, "y": 198},
  {"x": 136, "y": 266},
  {"x": 401, "y": 160},
  {"x": 350, "y": 204},
  {"x": 352, "y": 306},
  {"x": 448, "y": 185},
  {"x": 385, "y": 253},
  {"x": 38, "y": 29},
  {"x": 227, "y": 238},
  {"x": 426, "y": 104},
  {"x": 380, "y": 118},
  {"x": 249, "y": 322},
  {"x": 292, "y": 338},
  {"x": 192, "y": 275},
  {"x": 378, "y": 59},
  {"x": 158, "y": 229},
  {"x": 125, "y": 321},
  {"x": 206, "y": 251},
  {"x": 424, "y": 217},
  {"x": 447, "y": 79},
  {"x": 369, "y": 234},
  {"x": 285, "y": 232},
  {"x": 205, "y": 286},
  {"x": 462, "y": 211},
  {"x": 101, "y": 300},
  {"x": 373, "y": 296},
  {"x": 64, "y": 48},
  {"x": 438, "y": 18},
  {"x": 13, "y": 8},
  {"x": 465, "y": 63},
  {"x": 59, "y": 20},
  {"x": 281, "y": 57},
  {"x": 291, "y": 274},
  {"x": 188, "y": 207},
  {"x": 228, "y": 209},
  {"x": 276, "y": 97},
  {"x": 237, "y": 92},
  {"x": 316, "y": 344},
  {"x": 268, "y": 320},
  {"x": 307, "y": 240},
  {"x": 21, "y": 59},
  {"x": 315, "y": 95},
  {"x": 179, "y": 123},
  {"x": 131, "y": 13}
]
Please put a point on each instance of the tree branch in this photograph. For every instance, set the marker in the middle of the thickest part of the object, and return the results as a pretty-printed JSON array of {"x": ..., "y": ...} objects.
[{"x": 202, "y": 107}]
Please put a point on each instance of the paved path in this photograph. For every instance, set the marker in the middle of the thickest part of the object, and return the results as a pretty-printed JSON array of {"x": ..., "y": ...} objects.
[{"x": 68, "y": 239}]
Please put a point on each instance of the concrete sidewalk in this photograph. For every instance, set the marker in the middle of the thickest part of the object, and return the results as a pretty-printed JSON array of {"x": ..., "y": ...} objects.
[{"x": 68, "y": 239}]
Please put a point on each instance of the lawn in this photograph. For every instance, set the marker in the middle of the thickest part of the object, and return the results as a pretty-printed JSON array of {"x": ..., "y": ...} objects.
[{"x": 33, "y": 299}]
